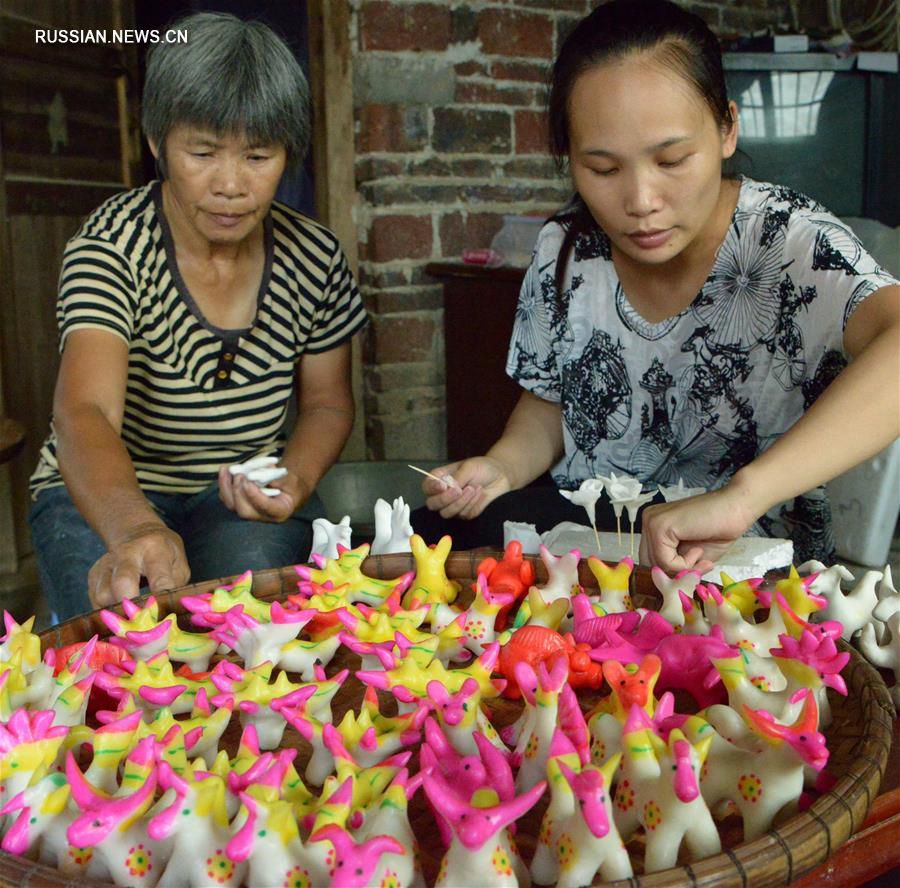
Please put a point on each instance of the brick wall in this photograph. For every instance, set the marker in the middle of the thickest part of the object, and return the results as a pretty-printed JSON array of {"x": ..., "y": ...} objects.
[{"x": 449, "y": 100}]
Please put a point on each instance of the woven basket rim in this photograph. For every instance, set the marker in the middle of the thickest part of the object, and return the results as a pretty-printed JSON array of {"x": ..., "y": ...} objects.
[{"x": 777, "y": 858}]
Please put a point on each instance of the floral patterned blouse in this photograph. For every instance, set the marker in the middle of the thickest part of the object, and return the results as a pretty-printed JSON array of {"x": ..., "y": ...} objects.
[{"x": 698, "y": 395}]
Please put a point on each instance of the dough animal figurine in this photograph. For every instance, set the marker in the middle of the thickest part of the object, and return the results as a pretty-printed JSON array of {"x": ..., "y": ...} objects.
[
  {"x": 481, "y": 851},
  {"x": 256, "y": 642},
  {"x": 511, "y": 577},
  {"x": 659, "y": 789},
  {"x": 536, "y": 611},
  {"x": 798, "y": 593},
  {"x": 198, "y": 825},
  {"x": 347, "y": 569},
  {"x": 116, "y": 828},
  {"x": 431, "y": 584},
  {"x": 29, "y": 744},
  {"x": 784, "y": 705},
  {"x": 355, "y": 863},
  {"x": 853, "y": 610},
  {"x": 625, "y": 636},
  {"x": 270, "y": 844},
  {"x": 762, "y": 772},
  {"x": 562, "y": 574},
  {"x": 460, "y": 715},
  {"x": 329, "y": 538},
  {"x": 371, "y": 737},
  {"x": 479, "y": 620},
  {"x": 41, "y": 814},
  {"x": 578, "y": 833},
  {"x": 613, "y": 583},
  {"x": 392, "y": 527},
  {"x": 757, "y": 637},
  {"x": 389, "y": 816},
  {"x": 207, "y": 608},
  {"x": 671, "y": 589},
  {"x": 887, "y": 655},
  {"x": 542, "y": 689}
]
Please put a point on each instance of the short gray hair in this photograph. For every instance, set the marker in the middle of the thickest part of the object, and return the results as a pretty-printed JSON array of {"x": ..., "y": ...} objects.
[{"x": 232, "y": 77}]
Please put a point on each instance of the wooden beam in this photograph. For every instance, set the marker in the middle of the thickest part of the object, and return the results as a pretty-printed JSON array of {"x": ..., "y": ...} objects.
[{"x": 334, "y": 155}]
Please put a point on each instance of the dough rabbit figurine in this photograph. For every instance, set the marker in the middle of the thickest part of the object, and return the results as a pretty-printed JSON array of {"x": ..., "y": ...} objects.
[
  {"x": 355, "y": 862},
  {"x": 460, "y": 715},
  {"x": 887, "y": 655},
  {"x": 613, "y": 583},
  {"x": 392, "y": 527},
  {"x": 671, "y": 589},
  {"x": 478, "y": 620}
]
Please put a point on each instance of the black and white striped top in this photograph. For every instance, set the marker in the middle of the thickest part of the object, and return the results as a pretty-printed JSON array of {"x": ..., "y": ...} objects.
[{"x": 199, "y": 396}]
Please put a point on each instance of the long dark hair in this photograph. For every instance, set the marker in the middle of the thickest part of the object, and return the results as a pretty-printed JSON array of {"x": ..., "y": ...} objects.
[{"x": 676, "y": 38}]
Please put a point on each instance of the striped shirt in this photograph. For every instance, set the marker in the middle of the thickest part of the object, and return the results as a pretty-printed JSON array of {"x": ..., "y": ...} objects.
[{"x": 199, "y": 396}]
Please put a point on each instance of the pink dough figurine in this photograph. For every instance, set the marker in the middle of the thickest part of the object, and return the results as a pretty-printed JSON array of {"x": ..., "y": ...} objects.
[
  {"x": 116, "y": 828},
  {"x": 481, "y": 851},
  {"x": 659, "y": 789},
  {"x": 197, "y": 823},
  {"x": 354, "y": 864},
  {"x": 578, "y": 834},
  {"x": 460, "y": 715},
  {"x": 207, "y": 609}
]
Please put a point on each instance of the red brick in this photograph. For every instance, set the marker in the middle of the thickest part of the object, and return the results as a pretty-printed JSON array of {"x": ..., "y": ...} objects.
[
  {"x": 467, "y": 69},
  {"x": 527, "y": 71},
  {"x": 515, "y": 33},
  {"x": 531, "y": 132},
  {"x": 401, "y": 339},
  {"x": 391, "y": 128},
  {"x": 469, "y": 231},
  {"x": 489, "y": 94},
  {"x": 396, "y": 27},
  {"x": 399, "y": 237}
]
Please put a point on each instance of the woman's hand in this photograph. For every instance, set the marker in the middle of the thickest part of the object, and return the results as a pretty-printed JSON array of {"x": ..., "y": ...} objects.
[
  {"x": 151, "y": 551},
  {"x": 693, "y": 533},
  {"x": 471, "y": 485},
  {"x": 244, "y": 497}
]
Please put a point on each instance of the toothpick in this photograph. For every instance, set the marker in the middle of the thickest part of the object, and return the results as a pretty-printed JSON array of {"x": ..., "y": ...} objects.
[
  {"x": 619, "y": 529},
  {"x": 596, "y": 537},
  {"x": 430, "y": 475}
]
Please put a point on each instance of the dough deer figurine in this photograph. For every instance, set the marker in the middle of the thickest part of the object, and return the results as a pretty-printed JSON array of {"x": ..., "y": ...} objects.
[
  {"x": 578, "y": 834},
  {"x": 460, "y": 714},
  {"x": 481, "y": 852},
  {"x": 479, "y": 619},
  {"x": 659, "y": 789}
]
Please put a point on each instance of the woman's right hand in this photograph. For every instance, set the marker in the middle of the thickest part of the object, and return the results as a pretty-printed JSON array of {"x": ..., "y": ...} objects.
[
  {"x": 471, "y": 484},
  {"x": 152, "y": 551}
]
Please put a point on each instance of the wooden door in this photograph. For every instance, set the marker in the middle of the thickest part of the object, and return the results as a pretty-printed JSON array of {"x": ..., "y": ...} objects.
[{"x": 69, "y": 139}]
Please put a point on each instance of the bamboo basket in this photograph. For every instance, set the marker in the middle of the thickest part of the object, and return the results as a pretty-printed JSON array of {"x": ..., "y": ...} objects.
[{"x": 859, "y": 739}]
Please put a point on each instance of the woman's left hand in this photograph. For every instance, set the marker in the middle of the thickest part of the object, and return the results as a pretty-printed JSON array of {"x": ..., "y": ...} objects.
[
  {"x": 691, "y": 534},
  {"x": 244, "y": 497}
]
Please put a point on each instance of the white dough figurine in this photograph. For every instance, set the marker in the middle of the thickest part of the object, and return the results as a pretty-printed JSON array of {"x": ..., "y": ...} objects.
[
  {"x": 327, "y": 537},
  {"x": 392, "y": 527},
  {"x": 261, "y": 470}
]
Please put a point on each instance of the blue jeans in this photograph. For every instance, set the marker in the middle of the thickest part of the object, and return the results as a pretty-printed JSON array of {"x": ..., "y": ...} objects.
[{"x": 218, "y": 542}]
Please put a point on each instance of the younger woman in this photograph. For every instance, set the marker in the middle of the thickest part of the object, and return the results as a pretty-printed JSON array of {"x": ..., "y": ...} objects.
[{"x": 675, "y": 323}]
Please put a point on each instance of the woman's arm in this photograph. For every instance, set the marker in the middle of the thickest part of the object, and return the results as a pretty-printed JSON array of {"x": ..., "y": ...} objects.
[
  {"x": 855, "y": 417},
  {"x": 324, "y": 421},
  {"x": 531, "y": 443},
  {"x": 88, "y": 407}
]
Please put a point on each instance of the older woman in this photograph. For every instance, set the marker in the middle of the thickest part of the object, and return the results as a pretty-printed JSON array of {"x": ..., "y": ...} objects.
[{"x": 188, "y": 309}]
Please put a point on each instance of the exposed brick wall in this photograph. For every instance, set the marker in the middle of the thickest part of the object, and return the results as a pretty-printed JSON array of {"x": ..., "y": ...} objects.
[{"x": 450, "y": 136}]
